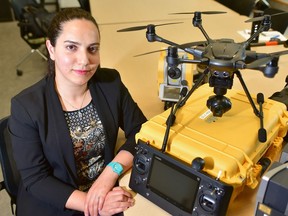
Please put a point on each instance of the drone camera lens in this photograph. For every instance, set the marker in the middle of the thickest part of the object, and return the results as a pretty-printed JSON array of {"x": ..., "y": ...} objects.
[
  {"x": 218, "y": 104},
  {"x": 226, "y": 74}
]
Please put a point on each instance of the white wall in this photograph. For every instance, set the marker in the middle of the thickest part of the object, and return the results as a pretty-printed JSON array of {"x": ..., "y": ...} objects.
[
  {"x": 68, "y": 3},
  {"x": 62, "y": 4}
]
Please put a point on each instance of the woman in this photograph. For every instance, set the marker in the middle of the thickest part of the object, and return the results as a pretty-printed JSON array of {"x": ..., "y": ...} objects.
[{"x": 64, "y": 128}]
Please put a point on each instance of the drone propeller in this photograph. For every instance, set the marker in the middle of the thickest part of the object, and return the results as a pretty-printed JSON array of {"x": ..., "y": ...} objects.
[
  {"x": 147, "y": 53},
  {"x": 181, "y": 46},
  {"x": 276, "y": 54},
  {"x": 265, "y": 60},
  {"x": 255, "y": 19},
  {"x": 202, "y": 12},
  {"x": 137, "y": 28},
  {"x": 257, "y": 63}
]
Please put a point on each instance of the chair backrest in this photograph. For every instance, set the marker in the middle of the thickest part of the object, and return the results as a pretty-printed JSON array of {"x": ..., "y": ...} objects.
[
  {"x": 18, "y": 5},
  {"x": 243, "y": 7},
  {"x": 11, "y": 175},
  {"x": 85, "y": 4},
  {"x": 33, "y": 21}
]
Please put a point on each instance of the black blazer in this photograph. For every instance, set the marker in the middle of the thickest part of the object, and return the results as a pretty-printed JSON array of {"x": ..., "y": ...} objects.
[{"x": 42, "y": 145}]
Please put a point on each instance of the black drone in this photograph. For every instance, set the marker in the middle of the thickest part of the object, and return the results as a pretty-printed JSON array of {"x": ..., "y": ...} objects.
[{"x": 221, "y": 59}]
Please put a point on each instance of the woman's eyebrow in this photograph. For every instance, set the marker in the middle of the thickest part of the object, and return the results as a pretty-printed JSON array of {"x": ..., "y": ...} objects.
[
  {"x": 96, "y": 43},
  {"x": 78, "y": 43},
  {"x": 70, "y": 41}
]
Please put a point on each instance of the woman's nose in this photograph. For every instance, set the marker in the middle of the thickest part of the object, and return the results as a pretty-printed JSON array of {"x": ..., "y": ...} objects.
[{"x": 84, "y": 58}]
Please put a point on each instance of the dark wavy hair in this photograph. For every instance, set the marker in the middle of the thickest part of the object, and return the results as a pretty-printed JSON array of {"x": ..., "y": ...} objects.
[{"x": 56, "y": 27}]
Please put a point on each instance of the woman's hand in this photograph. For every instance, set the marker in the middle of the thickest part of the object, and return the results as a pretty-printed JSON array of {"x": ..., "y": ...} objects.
[
  {"x": 103, "y": 185},
  {"x": 98, "y": 191},
  {"x": 117, "y": 200}
]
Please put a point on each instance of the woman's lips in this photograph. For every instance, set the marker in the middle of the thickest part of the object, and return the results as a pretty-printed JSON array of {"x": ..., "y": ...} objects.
[{"x": 81, "y": 71}]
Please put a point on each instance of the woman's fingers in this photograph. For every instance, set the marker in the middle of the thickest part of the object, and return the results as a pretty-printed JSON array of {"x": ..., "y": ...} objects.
[
  {"x": 117, "y": 200},
  {"x": 92, "y": 205}
]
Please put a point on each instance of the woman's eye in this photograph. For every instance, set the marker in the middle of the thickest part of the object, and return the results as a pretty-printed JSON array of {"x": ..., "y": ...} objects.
[
  {"x": 93, "y": 49},
  {"x": 71, "y": 47}
]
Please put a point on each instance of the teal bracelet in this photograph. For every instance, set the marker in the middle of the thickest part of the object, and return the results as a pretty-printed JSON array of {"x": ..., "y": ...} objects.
[{"x": 116, "y": 167}]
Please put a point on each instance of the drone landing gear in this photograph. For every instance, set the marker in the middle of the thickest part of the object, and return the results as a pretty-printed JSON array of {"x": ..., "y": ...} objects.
[{"x": 262, "y": 135}]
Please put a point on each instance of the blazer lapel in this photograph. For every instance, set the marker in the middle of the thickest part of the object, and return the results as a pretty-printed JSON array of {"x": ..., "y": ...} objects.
[
  {"x": 107, "y": 119},
  {"x": 58, "y": 127}
]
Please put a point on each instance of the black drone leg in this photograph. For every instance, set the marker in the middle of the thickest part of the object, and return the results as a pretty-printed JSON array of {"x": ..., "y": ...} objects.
[
  {"x": 169, "y": 123},
  {"x": 256, "y": 111},
  {"x": 262, "y": 136},
  {"x": 171, "y": 119}
]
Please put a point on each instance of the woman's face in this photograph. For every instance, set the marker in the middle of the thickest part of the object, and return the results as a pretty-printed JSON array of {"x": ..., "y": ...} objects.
[{"x": 76, "y": 52}]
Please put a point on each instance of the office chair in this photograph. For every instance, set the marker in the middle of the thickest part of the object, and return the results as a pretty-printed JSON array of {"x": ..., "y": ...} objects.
[
  {"x": 243, "y": 7},
  {"x": 33, "y": 20},
  {"x": 11, "y": 175},
  {"x": 85, "y": 4}
]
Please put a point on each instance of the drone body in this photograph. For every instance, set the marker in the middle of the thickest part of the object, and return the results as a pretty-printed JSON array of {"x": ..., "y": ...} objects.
[
  {"x": 223, "y": 55},
  {"x": 221, "y": 58}
]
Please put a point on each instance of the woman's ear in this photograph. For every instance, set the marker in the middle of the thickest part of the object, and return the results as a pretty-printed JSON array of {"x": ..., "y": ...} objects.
[{"x": 50, "y": 49}]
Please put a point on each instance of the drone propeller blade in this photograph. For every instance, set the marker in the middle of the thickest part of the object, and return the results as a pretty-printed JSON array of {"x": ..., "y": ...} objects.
[
  {"x": 259, "y": 62},
  {"x": 213, "y": 12},
  {"x": 255, "y": 19},
  {"x": 202, "y": 12},
  {"x": 266, "y": 60},
  {"x": 155, "y": 51},
  {"x": 137, "y": 28},
  {"x": 181, "y": 46},
  {"x": 279, "y": 53}
]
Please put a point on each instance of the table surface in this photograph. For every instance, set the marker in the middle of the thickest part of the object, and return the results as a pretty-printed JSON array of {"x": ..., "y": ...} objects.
[{"x": 140, "y": 73}]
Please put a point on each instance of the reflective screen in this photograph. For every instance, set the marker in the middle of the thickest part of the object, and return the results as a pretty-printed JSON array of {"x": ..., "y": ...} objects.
[
  {"x": 175, "y": 185},
  {"x": 171, "y": 92}
]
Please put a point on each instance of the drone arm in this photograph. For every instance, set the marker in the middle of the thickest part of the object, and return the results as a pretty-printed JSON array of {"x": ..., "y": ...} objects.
[
  {"x": 195, "y": 52},
  {"x": 265, "y": 62},
  {"x": 152, "y": 37},
  {"x": 265, "y": 26},
  {"x": 191, "y": 61},
  {"x": 204, "y": 33},
  {"x": 173, "y": 60},
  {"x": 197, "y": 22},
  {"x": 249, "y": 40},
  {"x": 251, "y": 56}
]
